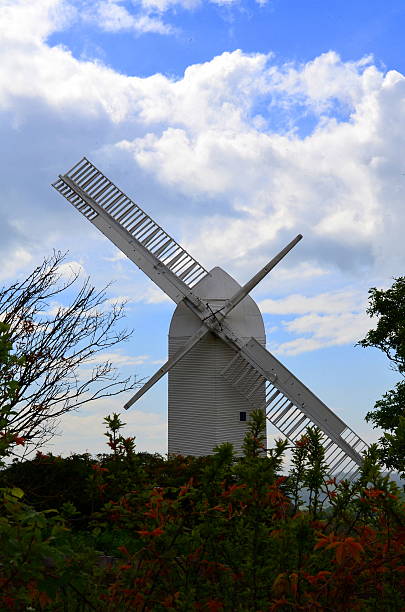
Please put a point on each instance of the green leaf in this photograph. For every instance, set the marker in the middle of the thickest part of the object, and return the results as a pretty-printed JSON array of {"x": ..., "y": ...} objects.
[{"x": 17, "y": 492}]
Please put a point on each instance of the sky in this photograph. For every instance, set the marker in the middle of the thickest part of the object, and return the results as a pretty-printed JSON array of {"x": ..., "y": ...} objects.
[{"x": 236, "y": 125}]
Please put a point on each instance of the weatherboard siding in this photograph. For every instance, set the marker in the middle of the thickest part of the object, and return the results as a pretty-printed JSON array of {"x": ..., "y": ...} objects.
[{"x": 203, "y": 408}]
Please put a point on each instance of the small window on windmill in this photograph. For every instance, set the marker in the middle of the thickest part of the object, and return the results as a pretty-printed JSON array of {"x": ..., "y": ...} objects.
[{"x": 242, "y": 416}]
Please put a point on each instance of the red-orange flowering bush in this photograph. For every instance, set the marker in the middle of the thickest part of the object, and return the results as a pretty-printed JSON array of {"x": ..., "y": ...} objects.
[{"x": 216, "y": 533}]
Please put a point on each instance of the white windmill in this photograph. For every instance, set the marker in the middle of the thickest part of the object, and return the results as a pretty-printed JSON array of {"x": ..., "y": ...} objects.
[{"x": 219, "y": 369}]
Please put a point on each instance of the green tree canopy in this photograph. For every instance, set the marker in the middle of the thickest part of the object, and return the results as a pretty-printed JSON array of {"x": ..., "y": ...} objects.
[{"x": 389, "y": 336}]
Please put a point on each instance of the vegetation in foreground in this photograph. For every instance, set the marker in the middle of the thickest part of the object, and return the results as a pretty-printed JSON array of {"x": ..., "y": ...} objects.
[
  {"x": 138, "y": 532},
  {"x": 133, "y": 531}
]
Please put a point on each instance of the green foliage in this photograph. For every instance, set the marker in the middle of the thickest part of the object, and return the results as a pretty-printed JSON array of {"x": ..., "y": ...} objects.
[
  {"x": 40, "y": 563},
  {"x": 9, "y": 389},
  {"x": 120, "y": 446},
  {"x": 389, "y": 336},
  {"x": 253, "y": 445},
  {"x": 392, "y": 448},
  {"x": 298, "y": 471},
  {"x": 143, "y": 533},
  {"x": 51, "y": 481},
  {"x": 389, "y": 409},
  {"x": 316, "y": 470}
]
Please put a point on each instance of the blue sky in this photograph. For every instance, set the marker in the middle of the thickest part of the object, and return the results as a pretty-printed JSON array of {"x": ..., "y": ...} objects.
[{"x": 236, "y": 125}]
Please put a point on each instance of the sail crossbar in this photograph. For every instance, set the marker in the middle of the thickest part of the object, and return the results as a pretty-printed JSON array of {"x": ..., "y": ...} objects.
[
  {"x": 84, "y": 178},
  {"x": 343, "y": 447}
]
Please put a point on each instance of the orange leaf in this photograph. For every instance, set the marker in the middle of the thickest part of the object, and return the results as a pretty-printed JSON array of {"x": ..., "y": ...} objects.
[
  {"x": 44, "y": 599},
  {"x": 348, "y": 548},
  {"x": 294, "y": 583},
  {"x": 325, "y": 541},
  {"x": 278, "y": 603},
  {"x": 155, "y": 532},
  {"x": 280, "y": 584},
  {"x": 214, "y": 605}
]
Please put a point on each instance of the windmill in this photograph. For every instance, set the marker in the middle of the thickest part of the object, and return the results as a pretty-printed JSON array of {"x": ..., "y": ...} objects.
[{"x": 219, "y": 369}]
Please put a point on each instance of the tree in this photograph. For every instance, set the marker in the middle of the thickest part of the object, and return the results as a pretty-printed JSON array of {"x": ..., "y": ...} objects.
[
  {"x": 8, "y": 391},
  {"x": 389, "y": 337},
  {"x": 56, "y": 364}
]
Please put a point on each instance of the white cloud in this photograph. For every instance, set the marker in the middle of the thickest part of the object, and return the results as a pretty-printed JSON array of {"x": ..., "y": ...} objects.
[
  {"x": 198, "y": 149},
  {"x": 70, "y": 269},
  {"x": 117, "y": 256},
  {"x": 325, "y": 184},
  {"x": 141, "y": 17},
  {"x": 327, "y": 319},
  {"x": 164, "y": 5},
  {"x": 303, "y": 270},
  {"x": 15, "y": 262},
  {"x": 327, "y": 79},
  {"x": 119, "y": 360},
  {"x": 331, "y": 302},
  {"x": 154, "y": 295},
  {"x": 118, "y": 299},
  {"x": 113, "y": 16},
  {"x": 26, "y": 22},
  {"x": 83, "y": 430},
  {"x": 323, "y": 331}
]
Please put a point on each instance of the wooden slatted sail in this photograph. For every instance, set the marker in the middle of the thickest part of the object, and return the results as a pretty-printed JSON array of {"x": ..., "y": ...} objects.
[
  {"x": 291, "y": 407},
  {"x": 131, "y": 229}
]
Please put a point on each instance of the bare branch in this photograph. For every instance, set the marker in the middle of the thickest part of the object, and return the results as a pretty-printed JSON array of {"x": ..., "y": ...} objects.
[{"x": 57, "y": 345}]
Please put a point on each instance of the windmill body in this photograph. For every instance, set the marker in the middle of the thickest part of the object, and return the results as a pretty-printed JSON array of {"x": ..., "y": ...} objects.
[
  {"x": 203, "y": 408},
  {"x": 218, "y": 365}
]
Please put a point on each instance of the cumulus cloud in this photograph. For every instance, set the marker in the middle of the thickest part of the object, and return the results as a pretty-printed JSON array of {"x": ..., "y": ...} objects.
[
  {"x": 140, "y": 17},
  {"x": 118, "y": 359},
  {"x": 114, "y": 16},
  {"x": 326, "y": 183},
  {"x": 203, "y": 155},
  {"x": 71, "y": 269},
  {"x": 317, "y": 331},
  {"x": 83, "y": 430},
  {"x": 328, "y": 319},
  {"x": 14, "y": 262},
  {"x": 27, "y": 22},
  {"x": 333, "y": 302},
  {"x": 341, "y": 82}
]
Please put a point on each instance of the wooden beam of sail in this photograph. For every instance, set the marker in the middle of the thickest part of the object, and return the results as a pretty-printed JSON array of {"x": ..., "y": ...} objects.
[{"x": 131, "y": 230}]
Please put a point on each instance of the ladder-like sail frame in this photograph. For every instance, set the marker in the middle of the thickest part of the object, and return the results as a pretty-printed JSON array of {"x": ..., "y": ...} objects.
[{"x": 134, "y": 232}]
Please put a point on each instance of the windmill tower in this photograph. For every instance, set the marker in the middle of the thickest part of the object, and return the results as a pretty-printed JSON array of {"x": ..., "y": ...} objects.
[
  {"x": 219, "y": 369},
  {"x": 203, "y": 409}
]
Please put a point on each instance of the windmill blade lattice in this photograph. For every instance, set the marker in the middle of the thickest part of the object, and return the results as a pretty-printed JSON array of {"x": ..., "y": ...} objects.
[
  {"x": 93, "y": 194},
  {"x": 289, "y": 408}
]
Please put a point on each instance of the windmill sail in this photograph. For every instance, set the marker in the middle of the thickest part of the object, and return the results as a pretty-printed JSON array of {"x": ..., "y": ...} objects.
[
  {"x": 131, "y": 229},
  {"x": 291, "y": 407}
]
